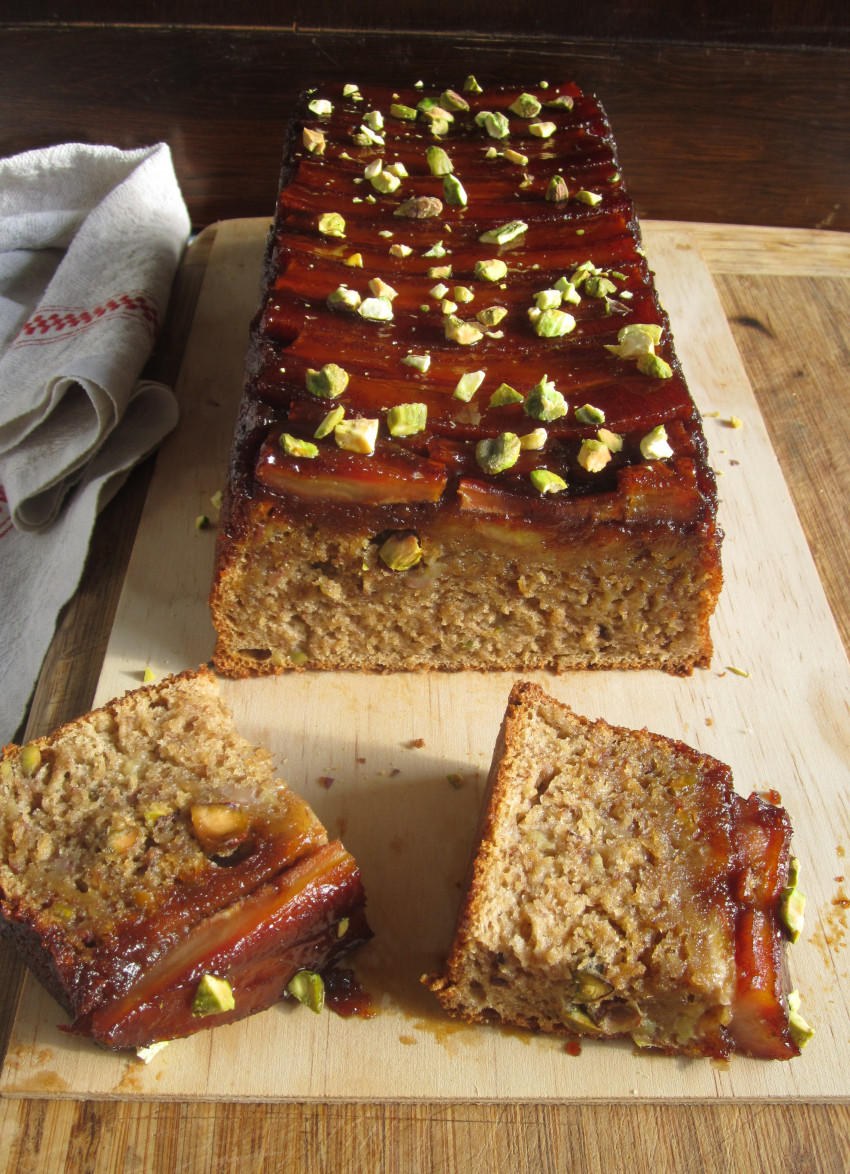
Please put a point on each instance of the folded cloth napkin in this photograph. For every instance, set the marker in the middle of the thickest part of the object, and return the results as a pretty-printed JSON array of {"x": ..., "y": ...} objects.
[{"x": 90, "y": 238}]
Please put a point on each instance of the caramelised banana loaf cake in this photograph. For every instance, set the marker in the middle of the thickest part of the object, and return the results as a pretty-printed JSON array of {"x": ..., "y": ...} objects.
[
  {"x": 620, "y": 887},
  {"x": 465, "y": 439},
  {"x": 156, "y": 876}
]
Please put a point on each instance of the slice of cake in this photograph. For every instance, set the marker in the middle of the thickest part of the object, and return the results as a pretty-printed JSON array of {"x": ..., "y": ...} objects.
[
  {"x": 620, "y": 887},
  {"x": 155, "y": 875},
  {"x": 465, "y": 439}
]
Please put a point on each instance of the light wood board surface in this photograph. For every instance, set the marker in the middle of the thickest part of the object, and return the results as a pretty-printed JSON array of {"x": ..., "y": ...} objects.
[{"x": 783, "y": 726}]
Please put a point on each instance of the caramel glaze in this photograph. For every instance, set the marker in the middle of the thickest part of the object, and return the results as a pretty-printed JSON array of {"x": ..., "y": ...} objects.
[{"x": 408, "y": 481}]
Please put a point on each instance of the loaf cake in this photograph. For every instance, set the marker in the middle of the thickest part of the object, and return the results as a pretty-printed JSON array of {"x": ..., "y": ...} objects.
[
  {"x": 620, "y": 887},
  {"x": 465, "y": 440},
  {"x": 155, "y": 875}
]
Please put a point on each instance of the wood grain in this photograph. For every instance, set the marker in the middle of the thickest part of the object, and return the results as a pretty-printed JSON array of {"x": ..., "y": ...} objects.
[{"x": 39, "y": 1136}]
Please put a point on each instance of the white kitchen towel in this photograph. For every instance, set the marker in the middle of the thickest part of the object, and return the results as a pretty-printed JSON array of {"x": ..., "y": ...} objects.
[{"x": 90, "y": 238}]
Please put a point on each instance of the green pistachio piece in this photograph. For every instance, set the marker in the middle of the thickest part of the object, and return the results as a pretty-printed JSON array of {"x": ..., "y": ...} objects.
[
  {"x": 328, "y": 383},
  {"x": 498, "y": 453},
  {"x": 533, "y": 441},
  {"x": 202, "y": 522},
  {"x": 599, "y": 287},
  {"x": 465, "y": 333},
  {"x": 594, "y": 456},
  {"x": 439, "y": 161},
  {"x": 654, "y": 446},
  {"x": 588, "y": 414},
  {"x": 420, "y": 208},
  {"x": 407, "y": 419},
  {"x": 343, "y": 298},
  {"x": 376, "y": 309},
  {"x": 548, "y": 299},
  {"x": 357, "y": 435},
  {"x": 448, "y": 307},
  {"x": 554, "y": 324},
  {"x": 437, "y": 271},
  {"x": 342, "y": 927},
  {"x": 400, "y": 250},
  {"x": 330, "y": 422},
  {"x": 293, "y": 447},
  {"x": 503, "y": 395},
  {"x": 557, "y": 191},
  {"x": 30, "y": 759},
  {"x": 332, "y": 224},
  {"x": 352, "y": 90},
  {"x": 366, "y": 137},
  {"x": 546, "y": 482},
  {"x": 562, "y": 102},
  {"x": 420, "y": 362},
  {"x": 792, "y": 907},
  {"x": 801, "y": 1032},
  {"x": 454, "y": 192},
  {"x": 635, "y": 340},
  {"x": 610, "y": 439},
  {"x": 385, "y": 182},
  {"x": 401, "y": 551},
  {"x": 492, "y": 316},
  {"x": 542, "y": 130},
  {"x": 525, "y": 106},
  {"x": 451, "y": 100},
  {"x": 403, "y": 113},
  {"x": 545, "y": 402},
  {"x": 321, "y": 107},
  {"x": 213, "y": 996},
  {"x": 590, "y": 986},
  {"x": 590, "y": 198},
  {"x": 654, "y": 366},
  {"x": 468, "y": 384},
  {"x": 504, "y": 233},
  {"x": 495, "y": 124},
  {"x": 437, "y": 250},
  {"x": 308, "y": 988},
  {"x": 374, "y": 120},
  {"x": 568, "y": 291},
  {"x": 493, "y": 269},
  {"x": 314, "y": 141},
  {"x": 439, "y": 290},
  {"x": 580, "y": 1021},
  {"x": 516, "y": 157},
  {"x": 584, "y": 271},
  {"x": 471, "y": 86},
  {"x": 462, "y": 293},
  {"x": 380, "y": 289}
]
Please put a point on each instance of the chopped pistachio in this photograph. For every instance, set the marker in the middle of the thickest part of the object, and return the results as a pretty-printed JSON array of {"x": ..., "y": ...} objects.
[
  {"x": 468, "y": 384},
  {"x": 792, "y": 903},
  {"x": 401, "y": 551},
  {"x": 465, "y": 333},
  {"x": 332, "y": 224},
  {"x": 451, "y": 100},
  {"x": 321, "y": 107},
  {"x": 149, "y": 675},
  {"x": 525, "y": 106},
  {"x": 407, "y": 419},
  {"x": 343, "y": 298},
  {"x": 420, "y": 208},
  {"x": 495, "y": 124},
  {"x": 654, "y": 446},
  {"x": 216, "y": 499},
  {"x": 374, "y": 119},
  {"x": 491, "y": 153},
  {"x": 557, "y": 191},
  {"x": 436, "y": 271},
  {"x": 30, "y": 759},
  {"x": 533, "y": 441},
  {"x": 420, "y": 362},
  {"x": 590, "y": 198},
  {"x": 498, "y": 453},
  {"x": 542, "y": 130},
  {"x": 399, "y": 169},
  {"x": 447, "y": 307},
  {"x": 314, "y": 141},
  {"x": 635, "y": 340},
  {"x": 354, "y": 261},
  {"x": 438, "y": 291},
  {"x": 381, "y": 290},
  {"x": 298, "y": 657},
  {"x": 202, "y": 522},
  {"x": 471, "y": 86},
  {"x": 342, "y": 927},
  {"x": 579, "y": 1020},
  {"x": 492, "y": 316},
  {"x": 439, "y": 161},
  {"x": 378, "y": 309},
  {"x": 330, "y": 422},
  {"x": 801, "y": 1032},
  {"x": 436, "y": 250},
  {"x": 351, "y": 90},
  {"x": 590, "y": 986},
  {"x": 213, "y": 996},
  {"x": 402, "y": 112},
  {"x": 554, "y": 324},
  {"x": 454, "y": 192},
  {"x": 462, "y": 293},
  {"x": 400, "y": 250},
  {"x": 654, "y": 366},
  {"x": 357, "y": 435},
  {"x": 545, "y": 402},
  {"x": 294, "y": 447},
  {"x": 568, "y": 291},
  {"x": 503, "y": 395},
  {"x": 548, "y": 299},
  {"x": 547, "y": 482},
  {"x": 493, "y": 269},
  {"x": 584, "y": 270},
  {"x": 610, "y": 439},
  {"x": 366, "y": 137},
  {"x": 516, "y": 157},
  {"x": 562, "y": 102},
  {"x": 308, "y": 988},
  {"x": 599, "y": 287},
  {"x": 588, "y": 414},
  {"x": 373, "y": 168},
  {"x": 594, "y": 456},
  {"x": 503, "y": 233},
  {"x": 385, "y": 182},
  {"x": 328, "y": 383}
]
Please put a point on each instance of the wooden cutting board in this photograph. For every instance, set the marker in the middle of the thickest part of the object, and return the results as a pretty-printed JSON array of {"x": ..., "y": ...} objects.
[{"x": 774, "y": 705}]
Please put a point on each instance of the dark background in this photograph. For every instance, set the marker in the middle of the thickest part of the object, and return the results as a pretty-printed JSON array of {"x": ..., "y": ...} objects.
[{"x": 726, "y": 112}]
